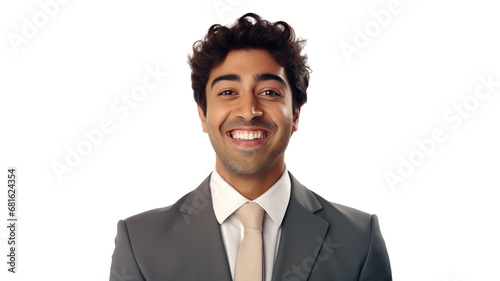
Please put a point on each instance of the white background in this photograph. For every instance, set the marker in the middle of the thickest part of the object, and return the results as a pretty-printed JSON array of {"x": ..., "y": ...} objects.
[{"x": 361, "y": 119}]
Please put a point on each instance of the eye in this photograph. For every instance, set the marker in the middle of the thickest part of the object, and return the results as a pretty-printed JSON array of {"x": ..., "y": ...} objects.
[
  {"x": 270, "y": 93},
  {"x": 226, "y": 93}
]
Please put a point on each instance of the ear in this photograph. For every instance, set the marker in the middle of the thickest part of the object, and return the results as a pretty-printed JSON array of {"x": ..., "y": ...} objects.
[
  {"x": 295, "y": 124},
  {"x": 203, "y": 119}
]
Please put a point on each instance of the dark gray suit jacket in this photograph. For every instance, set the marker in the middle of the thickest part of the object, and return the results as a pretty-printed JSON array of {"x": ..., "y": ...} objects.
[{"x": 319, "y": 241}]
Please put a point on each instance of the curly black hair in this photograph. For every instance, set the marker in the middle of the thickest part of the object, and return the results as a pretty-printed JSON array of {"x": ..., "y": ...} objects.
[{"x": 250, "y": 32}]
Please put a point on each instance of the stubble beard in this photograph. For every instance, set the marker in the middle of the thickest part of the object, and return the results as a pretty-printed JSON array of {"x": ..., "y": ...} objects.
[{"x": 247, "y": 162}]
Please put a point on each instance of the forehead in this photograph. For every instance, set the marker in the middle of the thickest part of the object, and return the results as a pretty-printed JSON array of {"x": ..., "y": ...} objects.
[{"x": 248, "y": 62}]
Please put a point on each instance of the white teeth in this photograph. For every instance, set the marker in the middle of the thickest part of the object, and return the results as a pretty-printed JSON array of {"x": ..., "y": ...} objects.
[{"x": 248, "y": 136}]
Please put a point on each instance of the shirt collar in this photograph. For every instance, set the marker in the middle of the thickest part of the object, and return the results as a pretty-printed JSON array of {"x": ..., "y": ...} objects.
[{"x": 226, "y": 200}]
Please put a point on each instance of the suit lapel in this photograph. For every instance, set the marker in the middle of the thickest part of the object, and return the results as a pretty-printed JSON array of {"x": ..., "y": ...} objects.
[
  {"x": 200, "y": 238},
  {"x": 302, "y": 235}
]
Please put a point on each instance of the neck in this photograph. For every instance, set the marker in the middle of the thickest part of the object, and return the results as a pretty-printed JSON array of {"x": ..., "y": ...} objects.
[{"x": 252, "y": 186}]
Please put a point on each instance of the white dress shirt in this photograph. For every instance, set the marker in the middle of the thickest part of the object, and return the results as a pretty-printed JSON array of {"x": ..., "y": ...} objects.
[{"x": 226, "y": 200}]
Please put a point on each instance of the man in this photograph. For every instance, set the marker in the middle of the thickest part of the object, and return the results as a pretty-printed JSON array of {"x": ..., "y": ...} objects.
[{"x": 250, "y": 219}]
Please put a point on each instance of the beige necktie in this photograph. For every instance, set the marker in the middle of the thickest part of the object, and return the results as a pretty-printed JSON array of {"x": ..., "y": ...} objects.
[{"x": 250, "y": 261}]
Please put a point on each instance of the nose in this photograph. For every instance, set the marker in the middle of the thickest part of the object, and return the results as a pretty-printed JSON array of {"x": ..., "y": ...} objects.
[{"x": 249, "y": 107}]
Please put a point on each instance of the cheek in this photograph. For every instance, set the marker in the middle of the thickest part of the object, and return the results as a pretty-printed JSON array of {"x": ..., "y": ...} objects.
[
  {"x": 216, "y": 115},
  {"x": 282, "y": 116}
]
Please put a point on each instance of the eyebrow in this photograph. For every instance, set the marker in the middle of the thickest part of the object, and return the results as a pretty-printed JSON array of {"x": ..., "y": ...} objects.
[
  {"x": 228, "y": 77},
  {"x": 257, "y": 77},
  {"x": 269, "y": 76}
]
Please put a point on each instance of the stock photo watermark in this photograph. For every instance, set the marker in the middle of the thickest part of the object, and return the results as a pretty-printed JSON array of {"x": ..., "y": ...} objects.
[
  {"x": 454, "y": 117},
  {"x": 121, "y": 276},
  {"x": 201, "y": 200},
  {"x": 121, "y": 107},
  {"x": 309, "y": 264},
  {"x": 223, "y": 6},
  {"x": 363, "y": 35},
  {"x": 12, "y": 223},
  {"x": 31, "y": 26}
]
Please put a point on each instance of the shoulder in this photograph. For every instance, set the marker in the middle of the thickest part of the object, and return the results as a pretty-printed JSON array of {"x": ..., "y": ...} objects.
[
  {"x": 353, "y": 238},
  {"x": 346, "y": 216},
  {"x": 156, "y": 220},
  {"x": 160, "y": 220},
  {"x": 342, "y": 210},
  {"x": 326, "y": 209},
  {"x": 357, "y": 231},
  {"x": 343, "y": 219}
]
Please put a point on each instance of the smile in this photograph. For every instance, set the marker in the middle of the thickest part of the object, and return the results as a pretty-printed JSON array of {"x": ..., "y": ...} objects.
[{"x": 248, "y": 135}]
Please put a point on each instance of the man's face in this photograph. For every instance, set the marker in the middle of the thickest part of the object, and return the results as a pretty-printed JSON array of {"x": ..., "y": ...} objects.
[{"x": 249, "y": 117}]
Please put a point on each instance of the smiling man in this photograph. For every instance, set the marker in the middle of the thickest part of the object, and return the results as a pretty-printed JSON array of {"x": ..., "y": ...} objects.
[{"x": 250, "y": 219}]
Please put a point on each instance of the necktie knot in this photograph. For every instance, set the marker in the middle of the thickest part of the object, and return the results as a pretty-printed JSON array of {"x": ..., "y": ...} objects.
[{"x": 251, "y": 215}]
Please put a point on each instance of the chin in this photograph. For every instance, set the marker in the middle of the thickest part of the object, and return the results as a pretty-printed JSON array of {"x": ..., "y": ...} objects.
[{"x": 248, "y": 169}]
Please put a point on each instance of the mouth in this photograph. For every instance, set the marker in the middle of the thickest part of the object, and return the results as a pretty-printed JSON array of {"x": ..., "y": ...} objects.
[{"x": 248, "y": 135}]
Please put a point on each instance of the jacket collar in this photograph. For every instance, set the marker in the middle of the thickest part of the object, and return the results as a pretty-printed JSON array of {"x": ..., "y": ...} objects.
[
  {"x": 302, "y": 235},
  {"x": 200, "y": 238}
]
